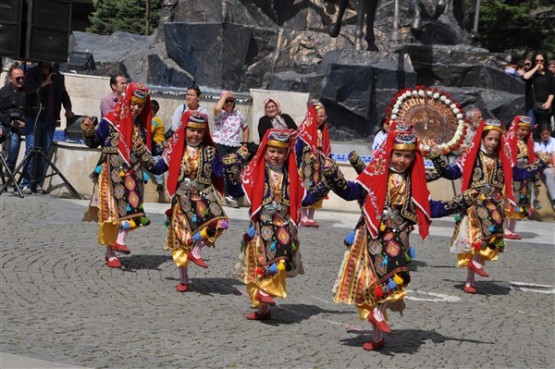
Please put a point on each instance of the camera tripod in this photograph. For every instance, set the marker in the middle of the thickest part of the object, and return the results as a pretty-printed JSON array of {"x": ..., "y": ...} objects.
[
  {"x": 34, "y": 155},
  {"x": 11, "y": 178}
]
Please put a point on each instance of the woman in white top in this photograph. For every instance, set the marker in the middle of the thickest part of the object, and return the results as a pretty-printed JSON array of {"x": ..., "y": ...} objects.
[
  {"x": 231, "y": 131},
  {"x": 192, "y": 99}
]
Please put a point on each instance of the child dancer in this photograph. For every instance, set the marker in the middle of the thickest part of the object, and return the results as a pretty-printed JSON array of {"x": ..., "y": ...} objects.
[
  {"x": 271, "y": 245},
  {"x": 485, "y": 167},
  {"x": 312, "y": 148},
  {"x": 196, "y": 218},
  {"x": 393, "y": 195},
  {"x": 117, "y": 200},
  {"x": 519, "y": 138}
]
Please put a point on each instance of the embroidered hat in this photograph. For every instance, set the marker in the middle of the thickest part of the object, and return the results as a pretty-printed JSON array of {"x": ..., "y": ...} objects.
[
  {"x": 140, "y": 94},
  {"x": 404, "y": 138},
  {"x": 197, "y": 120},
  {"x": 493, "y": 125},
  {"x": 279, "y": 139},
  {"x": 523, "y": 121}
]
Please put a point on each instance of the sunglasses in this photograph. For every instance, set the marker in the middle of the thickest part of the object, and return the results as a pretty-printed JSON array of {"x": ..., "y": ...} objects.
[
  {"x": 539, "y": 60},
  {"x": 230, "y": 101},
  {"x": 19, "y": 79}
]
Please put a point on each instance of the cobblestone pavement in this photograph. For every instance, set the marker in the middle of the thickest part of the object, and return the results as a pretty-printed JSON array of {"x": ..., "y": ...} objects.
[{"x": 60, "y": 303}]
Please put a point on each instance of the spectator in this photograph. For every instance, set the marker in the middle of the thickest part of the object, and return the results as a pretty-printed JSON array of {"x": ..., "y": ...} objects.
[
  {"x": 118, "y": 82},
  {"x": 274, "y": 118},
  {"x": 45, "y": 93},
  {"x": 158, "y": 141},
  {"x": 552, "y": 66},
  {"x": 546, "y": 147},
  {"x": 231, "y": 132},
  {"x": 12, "y": 105},
  {"x": 473, "y": 117},
  {"x": 380, "y": 135},
  {"x": 520, "y": 69},
  {"x": 192, "y": 99},
  {"x": 527, "y": 64},
  {"x": 540, "y": 91}
]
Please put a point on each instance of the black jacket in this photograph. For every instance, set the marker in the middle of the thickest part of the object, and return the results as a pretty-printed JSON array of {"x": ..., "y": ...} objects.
[
  {"x": 265, "y": 123},
  {"x": 12, "y": 103}
]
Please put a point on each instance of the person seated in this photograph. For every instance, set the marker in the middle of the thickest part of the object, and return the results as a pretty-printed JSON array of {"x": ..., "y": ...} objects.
[{"x": 274, "y": 118}]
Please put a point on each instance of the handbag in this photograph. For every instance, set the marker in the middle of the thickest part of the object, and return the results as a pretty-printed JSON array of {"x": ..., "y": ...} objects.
[{"x": 538, "y": 108}]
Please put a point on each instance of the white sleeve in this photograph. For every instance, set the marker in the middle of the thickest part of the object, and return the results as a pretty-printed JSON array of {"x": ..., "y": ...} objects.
[{"x": 176, "y": 118}]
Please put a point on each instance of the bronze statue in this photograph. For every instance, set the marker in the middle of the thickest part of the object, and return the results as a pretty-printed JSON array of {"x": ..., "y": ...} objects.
[{"x": 368, "y": 8}]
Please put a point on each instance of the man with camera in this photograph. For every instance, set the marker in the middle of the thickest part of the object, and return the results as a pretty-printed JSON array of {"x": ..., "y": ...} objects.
[
  {"x": 45, "y": 93},
  {"x": 12, "y": 104}
]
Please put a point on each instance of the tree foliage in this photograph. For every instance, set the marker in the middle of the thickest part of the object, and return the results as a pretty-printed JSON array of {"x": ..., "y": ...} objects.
[
  {"x": 110, "y": 16},
  {"x": 517, "y": 27}
]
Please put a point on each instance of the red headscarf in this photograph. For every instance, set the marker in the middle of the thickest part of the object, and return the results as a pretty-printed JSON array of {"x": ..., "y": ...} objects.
[
  {"x": 253, "y": 178},
  {"x": 375, "y": 180},
  {"x": 173, "y": 154},
  {"x": 120, "y": 117},
  {"x": 468, "y": 159},
  {"x": 512, "y": 138},
  {"x": 308, "y": 132}
]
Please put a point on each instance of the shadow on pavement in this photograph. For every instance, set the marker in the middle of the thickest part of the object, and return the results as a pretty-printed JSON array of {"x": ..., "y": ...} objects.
[
  {"x": 136, "y": 262},
  {"x": 406, "y": 341},
  {"x": 293, "y": 313},
  {"x": 211, "y": 286},
  {"x": 487, "y": 288}
]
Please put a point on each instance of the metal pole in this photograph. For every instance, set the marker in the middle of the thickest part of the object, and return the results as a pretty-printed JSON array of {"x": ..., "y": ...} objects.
[
  {"x": 147, "y": 18},
  {"x": 476, "y": 16},
  {"x": 395, "y": 35}
]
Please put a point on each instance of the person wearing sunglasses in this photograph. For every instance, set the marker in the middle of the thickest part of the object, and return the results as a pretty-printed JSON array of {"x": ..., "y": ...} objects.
[
  {"x": 12, "y": 103},
  {"x": 230, "y": 134},
  {"x": 540, "y": 91}
]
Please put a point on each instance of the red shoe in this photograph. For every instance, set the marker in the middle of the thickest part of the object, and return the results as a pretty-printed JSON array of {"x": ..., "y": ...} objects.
[
  {"x": 314, "y": 223},
  {"x": 121, "y": 248},
  {"x": 198, "y": 261},
  {"x": 257, "y": 315},
  {"x": 265, "y": 299},
  {"x": 381, "y": 326},
  {"x": 468, "y": 288},
  {"x": 480, "y": 271},
  {"x": 305, "y": 223},
  {"x": 512, "y": 236},
  {"x": 182, "y": 287},
  {"x": 112, "y": 262},
  {"x": 373, "y": 345}
]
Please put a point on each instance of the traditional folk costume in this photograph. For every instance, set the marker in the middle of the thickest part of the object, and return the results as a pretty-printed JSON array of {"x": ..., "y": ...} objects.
[
  {"x": 312, "y": 147},
  {"x": 375, "y": 273},
  {"x": 478, "y": 234},
  {"x": 117, "y": 200},
  {"x": 522, "y": 154},
  {"x": 195, "y": 183},
  {"x": 271, "y": 247}
]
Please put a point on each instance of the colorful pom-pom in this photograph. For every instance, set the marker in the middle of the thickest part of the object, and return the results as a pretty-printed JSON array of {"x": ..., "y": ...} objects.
[
  {"x": 250, "y": 232},
  {"x": 483, "y": 197},
  {"x": 492, "y": 228},
  {"x": 281, "y": 265},
  {"x": 169, "y": 212},
  {"x": 477, "y": 245},
  {"x": 293, "y": 246},
  {"x": 517, "y": 209},
  {"x": 121, "y": 173},
  {"x": 224, "y": 224},
  {"x": 194, "y": 218},
  {"x": 145, "y": 221},
  {"x": 349, "y": 238},
  {"x": 146, "y": 177},
  {"x": 132, "y": 223},
  {"x": 458, "y": 218},
  {"x": 385, "y": 261},
  {"x": 274, "y": 246},
  {"x": 378, "y": 293},
  {"x": 259, "y": 271},
  {"x": 273, "y": 268},
  {"x": 128, "y": 208},
  {"x": 492, "y": 240},
  {"x": 125, "y": 225},
  {"x": 98, "y": 169},
  {"x": 412, "y": 252},
  {"x": 391, "y": 284},
  {"x": 398, "y": 280},
  {"x": 167, "y": 223},
  {"x": 382, "y": 227}
]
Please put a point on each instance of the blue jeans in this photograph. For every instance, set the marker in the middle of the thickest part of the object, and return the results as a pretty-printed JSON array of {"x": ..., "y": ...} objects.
[
  {"x": 14, "y": 142},
  {"x": 45, "y": 133}
]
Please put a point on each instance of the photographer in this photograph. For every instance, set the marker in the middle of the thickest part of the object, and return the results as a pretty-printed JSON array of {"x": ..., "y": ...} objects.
[
  {"x": 12, "y": 102},
  {"x": 45, "y": 92}
]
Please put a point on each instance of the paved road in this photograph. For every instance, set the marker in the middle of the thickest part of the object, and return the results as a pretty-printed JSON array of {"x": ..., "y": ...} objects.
[{"x": 61, "y": 307}]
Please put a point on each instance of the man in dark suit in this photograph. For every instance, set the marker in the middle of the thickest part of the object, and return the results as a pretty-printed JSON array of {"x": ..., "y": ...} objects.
[{"x": 45, "y": 93}]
